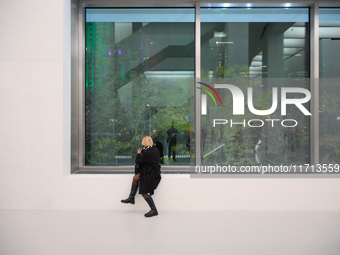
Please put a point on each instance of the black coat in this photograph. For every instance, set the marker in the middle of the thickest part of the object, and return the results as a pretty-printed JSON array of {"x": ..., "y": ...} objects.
[{"x": 150, "y": 170}]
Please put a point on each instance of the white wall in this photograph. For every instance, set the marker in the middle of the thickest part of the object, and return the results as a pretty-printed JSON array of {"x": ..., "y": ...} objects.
[{"x": 34, "y": 133}]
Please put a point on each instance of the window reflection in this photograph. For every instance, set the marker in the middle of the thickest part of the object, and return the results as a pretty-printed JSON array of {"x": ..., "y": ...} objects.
[
  {"x": 139, "y": 71},
  {"x": 262, "y": 49},
  {"x": 329, "y": 33}
]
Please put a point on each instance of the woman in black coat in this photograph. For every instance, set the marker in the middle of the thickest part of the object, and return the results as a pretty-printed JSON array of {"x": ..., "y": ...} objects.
[{"x": 147, "y": 174}]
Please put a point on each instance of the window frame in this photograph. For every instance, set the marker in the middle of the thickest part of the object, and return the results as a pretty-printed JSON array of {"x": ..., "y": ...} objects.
[{"x": 78, "y": 79}]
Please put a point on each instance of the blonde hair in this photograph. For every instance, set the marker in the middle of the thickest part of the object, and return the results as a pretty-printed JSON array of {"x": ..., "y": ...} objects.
[{"x": 147, "y": 141}]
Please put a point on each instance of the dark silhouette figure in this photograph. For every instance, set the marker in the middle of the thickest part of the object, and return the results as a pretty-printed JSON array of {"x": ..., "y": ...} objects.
[{"x": 172, "y": 140}]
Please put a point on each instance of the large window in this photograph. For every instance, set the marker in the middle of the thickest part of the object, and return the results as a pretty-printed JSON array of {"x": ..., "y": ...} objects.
[
  {"x": 329, "y": 33},
  {"x": 139, "y": 72},
  {"x": 264, "y": 49},
  {"x": 155, "y": 71}
]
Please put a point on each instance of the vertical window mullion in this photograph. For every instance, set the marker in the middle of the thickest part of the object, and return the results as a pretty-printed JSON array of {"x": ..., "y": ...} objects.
[
  {"x": 314, "y": 77},
  {"x": 197, "y": 91},
  {"x": 81, "y": 103}
]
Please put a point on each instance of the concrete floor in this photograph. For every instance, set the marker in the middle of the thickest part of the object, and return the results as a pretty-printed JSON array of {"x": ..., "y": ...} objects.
[{"x": 128, "y": 232}]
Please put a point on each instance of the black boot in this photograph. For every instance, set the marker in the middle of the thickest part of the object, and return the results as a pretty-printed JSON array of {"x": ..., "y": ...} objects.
[
  {"x": 131, "y": 198},
  {"x": 153, "y": 211}
]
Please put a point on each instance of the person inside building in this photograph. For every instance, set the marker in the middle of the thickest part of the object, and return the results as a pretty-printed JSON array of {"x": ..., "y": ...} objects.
[{"x": 172, "y": 141}]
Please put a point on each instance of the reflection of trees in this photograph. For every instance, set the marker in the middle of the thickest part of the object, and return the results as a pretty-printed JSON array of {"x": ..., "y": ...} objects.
[
  {"x": 329, "y": 121},
  {"x": 286, "y": 145},
  {"x": 171, "y": 104},
  {"x": 106, "y": 134},
  {"x": 118, "y": 119},
  {"x": 239, "y": 141},
  {"x": 274, "y": 145},
  {"x": 159, "y": 104},
  {"x": 122, "y": 103},
  {"x": 225, "y": 144}
]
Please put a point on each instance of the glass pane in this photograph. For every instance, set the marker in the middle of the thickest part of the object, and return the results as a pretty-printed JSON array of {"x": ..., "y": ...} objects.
[
  {"x": 264, "y": 49},
  {"x": 139, "y": 72},
  {"x": 329, "y": 85}
]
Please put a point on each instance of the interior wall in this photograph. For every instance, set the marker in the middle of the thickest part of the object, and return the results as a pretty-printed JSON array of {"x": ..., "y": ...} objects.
[{"x": 35, "y": 132}]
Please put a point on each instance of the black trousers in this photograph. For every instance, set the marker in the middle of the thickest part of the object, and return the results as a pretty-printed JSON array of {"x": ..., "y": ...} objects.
[{"x": 172, "y": 148}]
